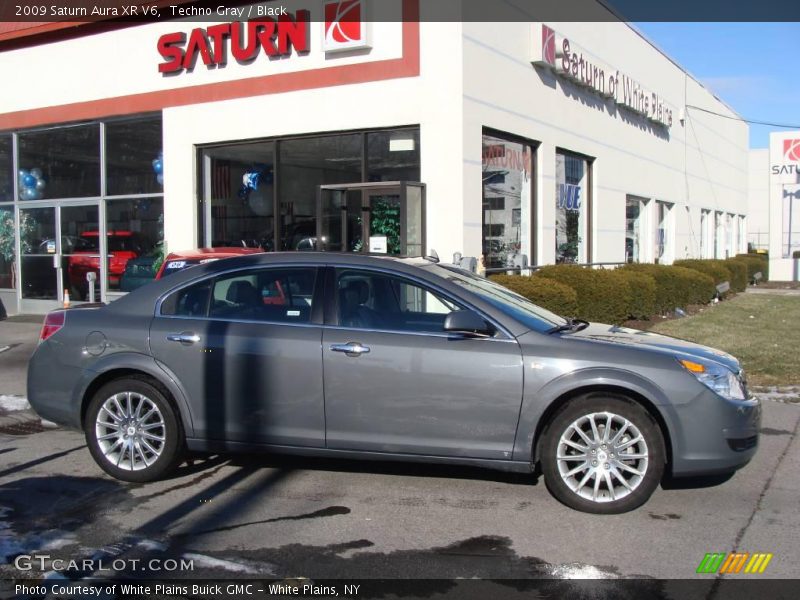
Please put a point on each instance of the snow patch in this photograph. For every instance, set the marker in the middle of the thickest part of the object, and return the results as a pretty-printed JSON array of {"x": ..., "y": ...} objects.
[
  {"x": 12, "y": 403},
  {"x": 201, "y": 560},
  {"x": 13, "y": 544},
  {"x": 579, "y": 571},
  {"x": 151, "y": 545}
]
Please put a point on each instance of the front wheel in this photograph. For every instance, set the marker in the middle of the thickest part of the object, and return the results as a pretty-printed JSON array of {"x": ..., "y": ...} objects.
[
  {"x": 602, "y": 454},
  {"x": 132, "y": 431}
]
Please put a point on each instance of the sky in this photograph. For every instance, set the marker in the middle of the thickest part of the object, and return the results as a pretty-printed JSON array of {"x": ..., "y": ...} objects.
[{"x": 752, "y": 67}]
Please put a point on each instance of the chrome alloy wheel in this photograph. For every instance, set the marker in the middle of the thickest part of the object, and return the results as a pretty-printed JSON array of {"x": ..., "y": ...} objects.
[
  {"x": 130, "y": 431},
  {"x": 602, "y": 457}
]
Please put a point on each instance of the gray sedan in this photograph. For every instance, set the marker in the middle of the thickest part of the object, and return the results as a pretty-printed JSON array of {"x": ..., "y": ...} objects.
[{"x": 362, "y": 357}]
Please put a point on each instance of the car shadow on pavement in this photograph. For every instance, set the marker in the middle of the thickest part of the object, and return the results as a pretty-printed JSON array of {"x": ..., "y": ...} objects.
[
  {"x": 379, "y": 467},
  {"x": 690, "y": 483}
]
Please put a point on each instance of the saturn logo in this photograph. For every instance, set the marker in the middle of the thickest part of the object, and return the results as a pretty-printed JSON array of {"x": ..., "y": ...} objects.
[
  {"x": 791, "y": 150},
  {"x": 344, "y": 26},
  {"x": 548, "y": 45}
]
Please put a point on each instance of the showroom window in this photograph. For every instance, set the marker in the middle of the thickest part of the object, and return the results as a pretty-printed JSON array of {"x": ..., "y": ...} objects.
[
  {"x": 61, "y": 202},
  {"x": 742, "y": 235},
  {"x": 719, "y": 235},
  {"x": 134, "y": 160},
  {"x": 7, "y": 226},
  {"x": 64, "y": 161},
  {"x": 393, "y": 155},
  {"x": 243, "y": 184},
  {"x": 8, "y": 250},
  {"x": 705, "y": 233},
  {"x": 507, "y": 176},
  {"x": 573, "y": 207},
  {"x": 664, "y": 241},
  {"x": 238, "y": 184},
  {"x": 635, "y": 217},
  {"x": 134, "y": 228},
  {"x": 6, "y": 169},
  {"x": 304, "y": 165}
]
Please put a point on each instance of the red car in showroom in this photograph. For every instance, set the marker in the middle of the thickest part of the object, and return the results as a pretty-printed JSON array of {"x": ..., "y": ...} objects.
[
  {"x": 123, "y": 245},
  {"x": 177, "y": 261}
]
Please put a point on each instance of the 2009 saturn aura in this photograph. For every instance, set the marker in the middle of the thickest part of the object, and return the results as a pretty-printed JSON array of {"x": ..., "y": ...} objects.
[{"x": 394, "y": 359}]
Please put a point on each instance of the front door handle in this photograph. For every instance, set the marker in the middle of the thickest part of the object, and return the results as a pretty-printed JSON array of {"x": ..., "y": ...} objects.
[
  {"x": 350, "y": 348},
  {"x": 185, "y": 337}
]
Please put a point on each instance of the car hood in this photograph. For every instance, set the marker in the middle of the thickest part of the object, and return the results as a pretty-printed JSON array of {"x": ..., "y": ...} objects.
[{"x": 613, "y": 334}]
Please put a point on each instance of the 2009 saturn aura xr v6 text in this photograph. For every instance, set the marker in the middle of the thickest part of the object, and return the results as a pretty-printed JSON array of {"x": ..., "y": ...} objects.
[{"x": 364, "y": 357}]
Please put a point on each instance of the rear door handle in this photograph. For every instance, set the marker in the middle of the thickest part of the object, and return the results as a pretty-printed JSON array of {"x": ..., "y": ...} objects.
[
  {"x": 185, "y": 337},
  {"x": 350, "y": 348}
]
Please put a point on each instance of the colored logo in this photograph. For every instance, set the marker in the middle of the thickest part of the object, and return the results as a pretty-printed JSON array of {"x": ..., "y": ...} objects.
[
  {"x": 791, "y": 149},
  {"x": 345, "y": 27},
  {"x": 548, "y": 45},
  {"x": 734, "y": 562}
]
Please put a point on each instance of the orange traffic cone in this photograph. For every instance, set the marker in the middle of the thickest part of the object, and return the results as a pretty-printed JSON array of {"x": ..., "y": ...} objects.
[{"x": 66, "y": 298}]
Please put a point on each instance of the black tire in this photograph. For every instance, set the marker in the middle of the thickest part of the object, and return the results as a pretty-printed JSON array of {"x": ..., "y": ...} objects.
[
  {"x": 607, "y": 501},
  {"x": 172, "y": 448}
]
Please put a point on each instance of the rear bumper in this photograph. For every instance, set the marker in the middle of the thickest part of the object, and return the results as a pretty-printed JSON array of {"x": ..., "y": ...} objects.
[
  {"x": 54, "y": 388},
  {"x": 714, "y": 435}
]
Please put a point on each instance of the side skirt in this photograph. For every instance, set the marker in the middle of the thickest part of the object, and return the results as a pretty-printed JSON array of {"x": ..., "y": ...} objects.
[{"x": 201, "y": 445}]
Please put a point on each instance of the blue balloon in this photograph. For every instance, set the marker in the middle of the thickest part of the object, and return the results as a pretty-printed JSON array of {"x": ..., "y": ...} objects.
[
  {"x": 158, "y": 166},
  {"x": 160, "y": 179},
  {"x": 29, "y": 181}
]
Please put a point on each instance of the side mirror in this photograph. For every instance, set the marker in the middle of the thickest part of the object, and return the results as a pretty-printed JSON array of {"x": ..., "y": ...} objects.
[{"x": 468, "y": 322}]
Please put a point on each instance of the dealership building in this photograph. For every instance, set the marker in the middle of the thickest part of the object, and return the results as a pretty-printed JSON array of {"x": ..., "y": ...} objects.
[{"x": 520, "y": 142}]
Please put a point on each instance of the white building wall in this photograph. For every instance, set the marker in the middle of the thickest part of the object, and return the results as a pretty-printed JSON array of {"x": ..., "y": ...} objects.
[
  {"x": 784, "y": 205},
  {"x": 758, "y": 198},
  {"x": 701, "y": 162}
]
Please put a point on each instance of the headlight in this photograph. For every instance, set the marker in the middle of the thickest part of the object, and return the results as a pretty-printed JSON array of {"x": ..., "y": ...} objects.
[{"x": 720, "y": 379}]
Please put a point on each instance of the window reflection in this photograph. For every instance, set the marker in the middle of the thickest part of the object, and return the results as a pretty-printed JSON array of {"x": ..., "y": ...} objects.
[
  {"x": 133, "y": 148},
  {"x": 65, "y": 159}
]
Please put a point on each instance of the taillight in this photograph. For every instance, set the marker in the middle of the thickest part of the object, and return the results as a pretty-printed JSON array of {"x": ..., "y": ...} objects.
[{"x": 52, "y": 323}]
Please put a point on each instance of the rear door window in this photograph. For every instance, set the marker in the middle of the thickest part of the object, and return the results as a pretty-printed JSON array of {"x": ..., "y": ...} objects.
[
  {"x": 277, "y": 295},
  {"x": 191, "y": 301}
]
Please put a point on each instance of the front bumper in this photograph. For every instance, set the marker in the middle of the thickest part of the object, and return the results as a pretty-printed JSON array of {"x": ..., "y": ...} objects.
[{"x": 713, "y": 435}]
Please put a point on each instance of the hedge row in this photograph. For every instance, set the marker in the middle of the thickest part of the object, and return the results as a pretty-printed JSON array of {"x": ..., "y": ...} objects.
[
  {"x": 635, "y": 291},
  {"x": 735, "y": 271},
  {"x": 676, "y": 286},
  {"x": 603, "y": 295},
  {"x": 552, "y": 295},
  {"x": 756, "y": 263}
]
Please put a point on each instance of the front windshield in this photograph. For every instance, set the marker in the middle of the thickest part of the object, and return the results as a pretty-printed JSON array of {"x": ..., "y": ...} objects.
[{"x": 515, "y": 306}]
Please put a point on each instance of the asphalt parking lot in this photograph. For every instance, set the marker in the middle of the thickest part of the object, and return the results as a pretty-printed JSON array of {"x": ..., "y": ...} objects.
[{"x": 277, "y": 517}]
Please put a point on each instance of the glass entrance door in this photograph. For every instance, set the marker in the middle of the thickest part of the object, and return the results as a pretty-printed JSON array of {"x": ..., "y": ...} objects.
[
  {"x": 375, "y": 218},
  {"x": 60, "y": 245}
]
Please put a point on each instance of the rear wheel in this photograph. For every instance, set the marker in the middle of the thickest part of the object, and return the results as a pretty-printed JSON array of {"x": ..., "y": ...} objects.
[
  {"x": 132, "y": 430},
  {"x": 602, "y": 454}
]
